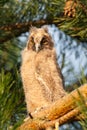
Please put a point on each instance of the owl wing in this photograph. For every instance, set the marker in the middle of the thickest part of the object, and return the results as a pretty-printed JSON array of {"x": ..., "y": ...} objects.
[{"x": 48, "y": 75}]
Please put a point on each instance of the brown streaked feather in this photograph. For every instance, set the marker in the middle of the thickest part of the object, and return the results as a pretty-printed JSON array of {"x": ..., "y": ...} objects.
[{"x": 41, "y": 75}]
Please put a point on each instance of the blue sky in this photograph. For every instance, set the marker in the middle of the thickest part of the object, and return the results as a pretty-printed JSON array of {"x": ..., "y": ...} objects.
[{"x": 75, "y": 59}]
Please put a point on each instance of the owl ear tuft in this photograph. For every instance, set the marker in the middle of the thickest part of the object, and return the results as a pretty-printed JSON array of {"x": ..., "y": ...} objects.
[
  {"x": 45, "y": 29},
  {"x": 33, "y": 29}
]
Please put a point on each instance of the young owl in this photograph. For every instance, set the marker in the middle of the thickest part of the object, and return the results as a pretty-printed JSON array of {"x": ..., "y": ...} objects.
[{"x": 41, "y": 75}]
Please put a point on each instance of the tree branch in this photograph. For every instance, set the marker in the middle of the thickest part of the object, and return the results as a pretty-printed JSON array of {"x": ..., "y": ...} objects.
[
  {"x": 62, "y": 111},
  {"x": 17, "y": 29},
  {"x": 14, "y": 30}
]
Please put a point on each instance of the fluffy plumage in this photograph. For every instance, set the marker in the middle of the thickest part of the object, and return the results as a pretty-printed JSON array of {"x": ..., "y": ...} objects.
[{"x": 41, "y": 75}]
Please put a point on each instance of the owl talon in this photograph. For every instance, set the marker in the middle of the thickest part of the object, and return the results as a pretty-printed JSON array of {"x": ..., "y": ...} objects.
[{"x": 30, "y": 116}]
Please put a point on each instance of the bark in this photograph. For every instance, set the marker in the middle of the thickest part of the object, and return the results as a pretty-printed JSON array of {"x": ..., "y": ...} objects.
[
  {"x": 62, "y": 111},
  {"x": 14, "y": 30},
  {"x": 17, "y": 29}
]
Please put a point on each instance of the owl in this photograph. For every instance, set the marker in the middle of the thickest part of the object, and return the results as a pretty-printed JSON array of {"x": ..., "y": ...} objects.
[{"x": 42, "y": 79}]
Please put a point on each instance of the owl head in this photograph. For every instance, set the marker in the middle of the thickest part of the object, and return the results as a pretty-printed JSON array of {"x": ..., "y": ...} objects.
[{"x": 39, "y": 39}]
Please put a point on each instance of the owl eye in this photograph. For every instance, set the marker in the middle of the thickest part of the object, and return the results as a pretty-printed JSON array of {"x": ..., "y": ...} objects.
[
  {"x": 32, "y": 39},
  {"x": 43, "y": 40},
  {"x": 32, "y": 43}
]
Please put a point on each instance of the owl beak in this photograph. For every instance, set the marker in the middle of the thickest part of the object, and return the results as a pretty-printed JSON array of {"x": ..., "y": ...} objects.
[{"x": 37, "y": 46}]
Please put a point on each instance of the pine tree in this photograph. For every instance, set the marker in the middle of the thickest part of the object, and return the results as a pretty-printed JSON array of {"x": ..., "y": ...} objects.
[{"x": 16, "y": 17}]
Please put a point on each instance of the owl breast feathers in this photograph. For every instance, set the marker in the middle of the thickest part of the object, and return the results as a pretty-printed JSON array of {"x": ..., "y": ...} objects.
[{"x": 41, "y": 75}]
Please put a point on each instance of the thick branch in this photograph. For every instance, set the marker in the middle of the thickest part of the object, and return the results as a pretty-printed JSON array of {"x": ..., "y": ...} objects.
[
  {"x": 10, "y": 31},
  {"x": 61, "y": 111},
  {"x": 19, "y": 28}
]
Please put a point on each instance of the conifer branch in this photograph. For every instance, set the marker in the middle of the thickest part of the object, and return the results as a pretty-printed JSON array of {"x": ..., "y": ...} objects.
[{"x": 62, "y": 111}]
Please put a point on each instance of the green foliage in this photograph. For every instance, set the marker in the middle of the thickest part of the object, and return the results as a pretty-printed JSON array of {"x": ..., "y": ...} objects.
[
  {"x": 83, "y": 108},
  {"x": 10, "y": 54},
  {"x": 16, "y": 11},
  {"x": 22, "y": 11},
  {"x": 82, "y": 102},
  {"x": 84, "y": 122},
  {"x": 12, "y": 106}
]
